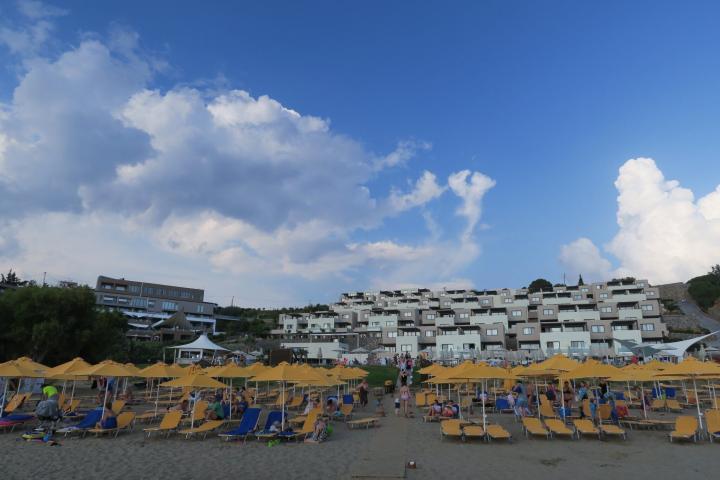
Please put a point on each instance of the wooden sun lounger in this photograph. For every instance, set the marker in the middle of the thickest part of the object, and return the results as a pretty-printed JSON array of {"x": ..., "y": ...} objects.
[
  {"x": 363, "y": 422},
  {"x": 451, "y": 428},
  {"x": 686, "y": 428},
  {"x": 202, "y": 429}
]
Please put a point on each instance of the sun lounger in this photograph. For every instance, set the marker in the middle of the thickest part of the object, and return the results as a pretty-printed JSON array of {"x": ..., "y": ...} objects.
[
  {"x": 346, "y": 410},
  {"x": 15, "y": 420},
  {"x": 363, "y": 422},
  {"x": 451, "y": 428},
  {"x": 558, "y": 427},
  {"x": 307, "y": 429},
  {"x": 673, "y": 405},
  {"x": 533, "y": 426},
  {"x": 168, "y": 424},
  {"x": 686, "y": 428},
  {"x": 117, "y": 406},
  {"x": 265, "y": 433},
  {"x": 657, "y": 404},
  {"x": 546, "y": 410},
  {"x": 197, "y": 413},
  {"x": 90, "y": 420},
  {"x": 421, "y": 399},
  {"x": 712, "y": 420},
  {"x": 202, "y": 429},
  {"x": 614, "y": 430},
  {"x": 248, "y": 424},
  {"x": 148, "y": 416},
  {"x": 124, "y": 422},
  {"x": 296, "y": 402},
  {"x": 71, "y": 406},
  {"x": 15, "y": 403},
  {"x": 503, "y": 406},
  {"x": 497, "y": 432},
  {"x": 473, "y": 431},
  {"x": 585, "y": 427},
  {"x": 432, "y": 418}
]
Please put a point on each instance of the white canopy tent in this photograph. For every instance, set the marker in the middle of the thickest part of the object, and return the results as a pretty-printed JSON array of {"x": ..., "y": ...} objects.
[{"x": 196, "y": 350}]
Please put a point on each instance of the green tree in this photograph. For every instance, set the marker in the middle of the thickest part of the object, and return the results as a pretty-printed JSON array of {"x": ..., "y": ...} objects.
[
  {"x": 715, "y": 271},
  {"x": 705, "y": 290},
  {"x": 580, "y": 280},
  {"x": 540, "y": 285},
  {"x": 53, "y": 325}
]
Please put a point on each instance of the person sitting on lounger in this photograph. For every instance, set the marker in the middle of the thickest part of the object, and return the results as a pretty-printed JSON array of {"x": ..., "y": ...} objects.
[
  {"x": 215, "y": 410},
  {"x": 310, "y": 406},
  {"x": 331, "y": 408},
  {"x": 447, "y": 411},
  {"x": 108, "y": 420},
  {"x": 183, "y": 406},
  {"x": 276, "y": 427},
  {"x": 127, "y": 394},
  {"x": 319, "y": 432},
  {"x": 435, "y": 409}
]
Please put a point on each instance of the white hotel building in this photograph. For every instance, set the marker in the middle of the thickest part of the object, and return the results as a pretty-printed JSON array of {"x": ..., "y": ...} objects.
[{"x": 577, "y": 320}]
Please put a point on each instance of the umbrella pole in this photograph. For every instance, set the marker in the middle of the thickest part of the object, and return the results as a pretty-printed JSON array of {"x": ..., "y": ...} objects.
[
  {"x": 483, "y": 410},
  {"x": 537, "y": 397},
  {"x": 157, "y": 396},
  {"x": 2, "y": 405},
  {"x": 283, "y": 406},
  {"x": 230, "y": 400},
  {"x": 107, "y": 384},
  {"x": 72, "y": 392},
  {"x": 192, "y": 412},
  {"x": 64, "y": 385},
  {"x": 697, "y": 404}
]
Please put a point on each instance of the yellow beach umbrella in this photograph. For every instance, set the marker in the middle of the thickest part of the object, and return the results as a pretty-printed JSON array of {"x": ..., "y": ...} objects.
[
  {"x": 283, "y": 373},
  {"x": 31, "y": 364},
  {"x": 194, "y": 380},
  {"x": 106, "y": 368},
  {"x": 66, "y": 371},
  {"x": 159, "y": 370},
  {"x": 13, "y": 369},
  {"x": 691, "y": 369}
]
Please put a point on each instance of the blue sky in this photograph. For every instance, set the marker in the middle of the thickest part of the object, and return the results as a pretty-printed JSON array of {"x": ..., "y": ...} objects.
[{"x": 547, "y": 99}]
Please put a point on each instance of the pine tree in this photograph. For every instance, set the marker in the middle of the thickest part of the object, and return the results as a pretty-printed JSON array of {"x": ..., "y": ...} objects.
[{"x": 580, "y": 280}]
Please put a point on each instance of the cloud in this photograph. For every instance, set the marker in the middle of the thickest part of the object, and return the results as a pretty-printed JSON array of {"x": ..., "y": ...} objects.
[
  {"x": 102, "y": 172},
  {"x": 34, "y": 29},
  {"x": 425, "y": 190},
  {"x": 471, "y": 187},
  {"x": 664, "y": 234},
  {"x": 582, "y": 257},
  {"x": 34, "y": 9}
]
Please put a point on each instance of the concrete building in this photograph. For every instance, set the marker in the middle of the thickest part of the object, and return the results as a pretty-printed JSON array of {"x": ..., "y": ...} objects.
[
  {"x": 149, "y": 306},
  {"x": 453, "y": 324}
]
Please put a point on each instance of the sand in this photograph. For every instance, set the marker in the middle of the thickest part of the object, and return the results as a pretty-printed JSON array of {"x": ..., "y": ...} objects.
[{"x": 381, "y": 452}]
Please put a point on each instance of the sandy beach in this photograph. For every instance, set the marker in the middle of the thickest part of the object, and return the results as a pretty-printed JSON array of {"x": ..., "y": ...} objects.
[{"x": 375, "y": 453}]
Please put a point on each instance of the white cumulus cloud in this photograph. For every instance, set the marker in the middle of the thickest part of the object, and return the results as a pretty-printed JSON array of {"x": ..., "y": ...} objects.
[{"x": 664, "y": 233}]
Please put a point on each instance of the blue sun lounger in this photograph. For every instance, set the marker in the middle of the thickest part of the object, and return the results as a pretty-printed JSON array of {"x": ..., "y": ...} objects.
[
  {"x": 92, "y": 418},
  {"x": 247, "y": 426},
  {"x": 265, "y": 433}
]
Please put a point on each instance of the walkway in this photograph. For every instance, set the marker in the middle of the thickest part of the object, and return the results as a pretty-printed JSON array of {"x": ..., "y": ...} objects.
[{"x": 705, "y": 321}]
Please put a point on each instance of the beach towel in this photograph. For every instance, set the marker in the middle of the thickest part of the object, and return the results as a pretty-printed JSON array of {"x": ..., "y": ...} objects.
[{"x": 89, "y": 421}]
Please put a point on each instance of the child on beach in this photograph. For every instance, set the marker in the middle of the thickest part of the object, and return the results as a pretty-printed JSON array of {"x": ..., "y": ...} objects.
[
  {"x": 380, "y": 409},
  {"x": 397, "y": 407}
]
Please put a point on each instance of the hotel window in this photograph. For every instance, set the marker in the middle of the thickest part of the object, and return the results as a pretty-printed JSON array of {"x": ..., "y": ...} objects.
[
  {"x": 346, "y": 315},
  {"x": 597, "y": 328},
  {"x": 516, "y": 313},
  {"x": 374, "y": 324},
  {"x": 485, "y": 301},
  {"x": 138, "y": 302},
  {"x": 620, "y": 327},
  {"x": 407, "y": 314},
  {"x": 548, "y": 311},
  {"x": 491, "y": 332},
  {"x": 577, "y": 297},
  {"x": 650, "y": 293},
  {"x": 528, "y": 330},
  {"x": 406, "y": 348},
  {"x": 553, "y": 345},
  {"x": 647, "y": 308},
  {"x": 535, "y": 299},
  {"x": 584, "y": 289},
  {"x": 107, "y": 286},
  {"x": 151, "y": 303},
  {"x": 429, "y": 333},
  {"x": 577, "y": 344},
  {"x": 392, "y": 334},
  {"x": 431, "y": 316},
  {"x": 468, "y": 346},
  {"x": 120, "y": 288},
  {"x": 122, "y": 300},
  {"x": 389, "y": 324},
  {"x": 200, "y": 309},
  {"x": 447, "y": 346},
  {"x": 366, "y": 315},
  {"x": 647, "y": 327},
  {"x": 108, "y": 299},
  {"x": 135, "y": 288},
  {"x": 389, "y": 349},
  {"x": 606, "y": 309},
  {"x": 603, "y": 295},
  {"x": 641, "y": 284},
  {"x": 463, "y": 315}
]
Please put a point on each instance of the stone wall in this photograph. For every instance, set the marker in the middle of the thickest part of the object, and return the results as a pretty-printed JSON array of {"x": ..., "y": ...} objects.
[
  {"x": 674, "y": 291},
  {"x": 683, "y": 323}
]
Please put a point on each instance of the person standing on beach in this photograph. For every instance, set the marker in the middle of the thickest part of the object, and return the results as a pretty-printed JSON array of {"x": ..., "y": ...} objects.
[
  {"x": 405, "y": 399},
  {"x": 363, "y": 393}
]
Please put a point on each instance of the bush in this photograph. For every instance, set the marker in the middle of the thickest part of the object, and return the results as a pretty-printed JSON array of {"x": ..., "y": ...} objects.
[{"x": 705, "y": 290}]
